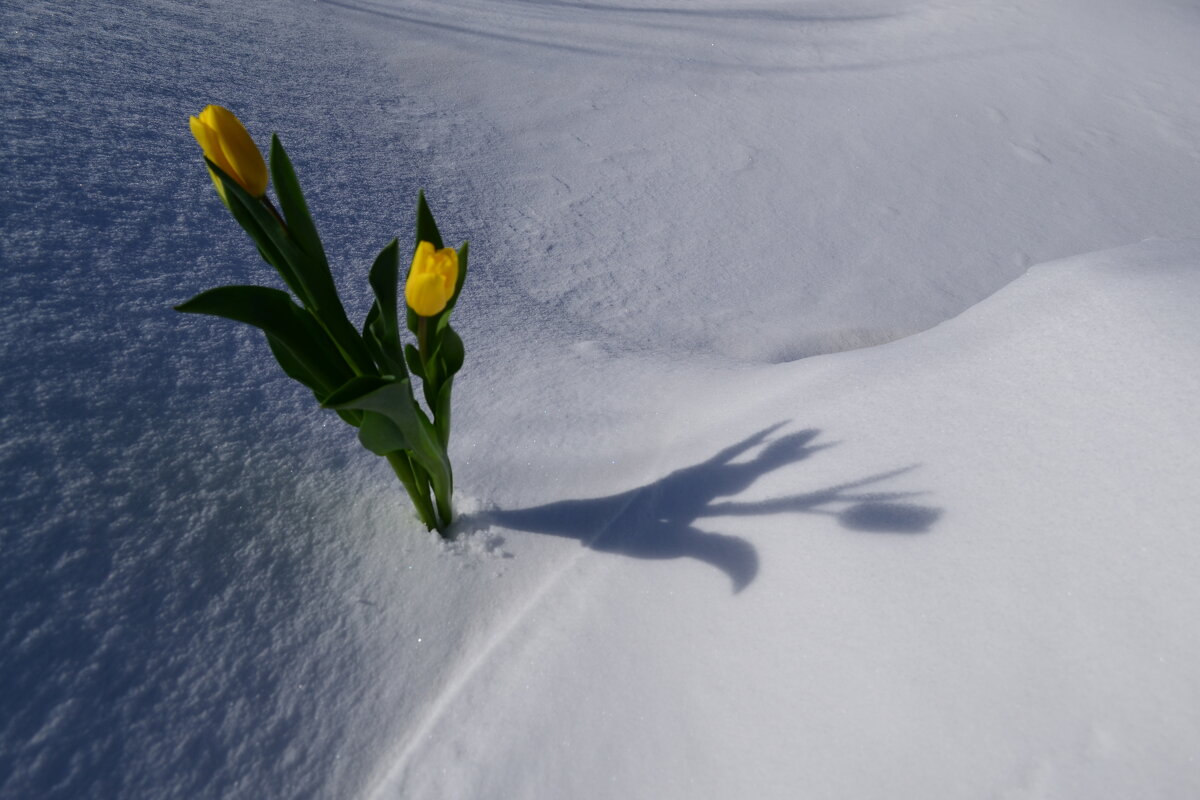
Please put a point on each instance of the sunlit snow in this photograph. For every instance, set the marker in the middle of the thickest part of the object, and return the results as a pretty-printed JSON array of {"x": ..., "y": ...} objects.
[{"x": 828, "y": 427}]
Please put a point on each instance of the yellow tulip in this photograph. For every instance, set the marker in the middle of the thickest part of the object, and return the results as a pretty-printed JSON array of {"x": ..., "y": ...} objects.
[
  {"x": 431, "y": 280},
  {"x": 227, "y": 144}
]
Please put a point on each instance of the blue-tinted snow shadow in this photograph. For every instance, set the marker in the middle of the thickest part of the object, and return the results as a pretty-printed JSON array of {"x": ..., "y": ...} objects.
[
  {"x": 157, "y": 557},
  {"x": 658, "y": 520}
]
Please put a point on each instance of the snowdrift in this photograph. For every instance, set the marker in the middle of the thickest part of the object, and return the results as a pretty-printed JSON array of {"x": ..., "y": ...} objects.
[
  {"x": 973, "y": 549},
  {"x": 707, "y": 550}
]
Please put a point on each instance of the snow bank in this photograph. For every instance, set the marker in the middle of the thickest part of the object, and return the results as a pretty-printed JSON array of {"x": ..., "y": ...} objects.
[
  {"x": 694, "y": 561},
  {"x": 975, "y": 551}
]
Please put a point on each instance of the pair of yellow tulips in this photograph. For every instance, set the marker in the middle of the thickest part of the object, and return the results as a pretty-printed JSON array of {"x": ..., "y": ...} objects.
[{"x": 226, "y": 143}]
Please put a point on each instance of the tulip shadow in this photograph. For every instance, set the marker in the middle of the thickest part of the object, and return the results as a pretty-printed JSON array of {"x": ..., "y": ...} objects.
[{"x": 658, "y": 520}]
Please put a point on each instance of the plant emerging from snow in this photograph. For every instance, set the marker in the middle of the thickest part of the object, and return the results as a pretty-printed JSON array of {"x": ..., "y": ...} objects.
[{"x": 365, "y": 377}]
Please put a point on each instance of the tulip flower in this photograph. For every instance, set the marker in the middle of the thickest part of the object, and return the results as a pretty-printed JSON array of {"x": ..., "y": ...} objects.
[
  {"x": 432, "y": 279},
  {"x": 366, "y": 374},
  {"x": 227, "y": 144}
]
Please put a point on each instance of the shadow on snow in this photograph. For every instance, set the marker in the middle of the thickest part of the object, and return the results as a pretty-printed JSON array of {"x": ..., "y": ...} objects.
[{"x": 658, "y": 520}]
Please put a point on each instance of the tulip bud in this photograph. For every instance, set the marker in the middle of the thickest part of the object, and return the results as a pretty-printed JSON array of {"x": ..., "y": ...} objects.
[
  {"x": 432, "y": 279},
  {"x": 227, "y": 144}
]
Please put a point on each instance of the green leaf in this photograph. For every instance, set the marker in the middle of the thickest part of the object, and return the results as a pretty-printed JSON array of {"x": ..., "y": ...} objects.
[
  {"x": 292, "y": 366},
  {"x": 388, "y": 364},
  {"x": 383, "y": 277},
  {"x": 382, "y": 328},
  {"x": 394, "y": 399},
  {"x": 372, "y": 315},
  {"x": 268, "y": 234},
  {"x": 352, "y": 389},
  {"x": 350, "y": 417},
  {"x": 380, "y": 435},
  {"x": 266, "y": 248},
  {"x": 309, "y": 350},
  {"x": 305, "y": 275},
  {"x": 368, "y": 336},
  {"x": 414, "y": 360},
  {"x": 427, "y": 230},
  {"x": 462, "y": 276},
  {"x": 451, "y": 352},
  {"x": 295, "y": 209},
  {"x": 412, "y": 319},
  {"x": 319, "y": 292},
  {"x": 389, "y": 359},
  {"x": 441, "y": 412}
]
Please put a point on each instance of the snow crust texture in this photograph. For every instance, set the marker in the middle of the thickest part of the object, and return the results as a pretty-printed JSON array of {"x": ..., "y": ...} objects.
[{"x": 828, "y": 427}]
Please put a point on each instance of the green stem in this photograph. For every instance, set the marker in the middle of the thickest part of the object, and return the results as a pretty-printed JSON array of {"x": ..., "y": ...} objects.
[
  {"x": 445, "y": 506},
  {"x": 418, "y": 491},
  {"x": 441, "y": 420},
  {"x": 429, "y": 384},
  {"x": 274, "y": 211},
  {"x": 423, "y": 344}
]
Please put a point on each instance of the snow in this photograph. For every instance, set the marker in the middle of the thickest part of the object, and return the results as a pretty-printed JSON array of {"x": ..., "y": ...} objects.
[{"x": 782, "y": 471}]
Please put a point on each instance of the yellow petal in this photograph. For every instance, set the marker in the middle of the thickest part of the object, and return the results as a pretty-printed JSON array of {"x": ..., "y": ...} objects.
[
  {"x": 421, "y": 257},
  {"x": 202, "y": 133},
  {"x": 231, "y": 148},
  {"x": 446, "y": 266},
  {"x": 210, "y": 143},
  {"x": 424, "y": 294},
  {"x": 432, "y": 279}
]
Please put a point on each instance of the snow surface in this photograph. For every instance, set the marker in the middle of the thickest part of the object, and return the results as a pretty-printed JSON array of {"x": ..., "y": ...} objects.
[{"x": 707, "y": 548}]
